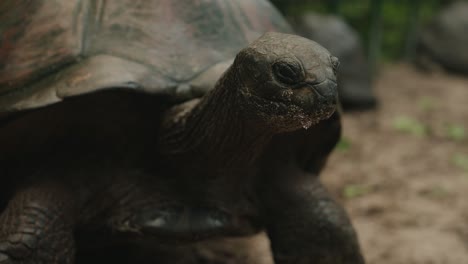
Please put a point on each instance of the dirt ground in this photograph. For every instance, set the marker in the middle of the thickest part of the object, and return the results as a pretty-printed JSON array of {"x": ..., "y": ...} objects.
[{"x": 402, "y": 171}]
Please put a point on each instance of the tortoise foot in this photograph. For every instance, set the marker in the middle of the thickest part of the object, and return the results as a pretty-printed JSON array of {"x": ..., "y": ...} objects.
[
  {"x": 5, "y": 259},
  {"x": 13, "y": 253},
  {"x": 25, "y": 248},
  {"x": 36, "y": 227},
  {"x": 16, "y": 253}
]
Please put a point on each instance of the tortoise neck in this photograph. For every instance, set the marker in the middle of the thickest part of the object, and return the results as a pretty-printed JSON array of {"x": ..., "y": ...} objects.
[{"x": 218, "y": 129}]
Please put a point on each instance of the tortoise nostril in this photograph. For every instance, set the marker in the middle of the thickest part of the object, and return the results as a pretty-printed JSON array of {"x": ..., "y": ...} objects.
[
  {"x": 335, "y": 62},
  {"x": 312, "y": 80},
  {"x": 326, "y": 89}
]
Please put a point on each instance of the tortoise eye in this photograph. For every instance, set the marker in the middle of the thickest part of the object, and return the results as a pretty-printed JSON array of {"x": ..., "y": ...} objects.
[{"x": 288, "y": 71}]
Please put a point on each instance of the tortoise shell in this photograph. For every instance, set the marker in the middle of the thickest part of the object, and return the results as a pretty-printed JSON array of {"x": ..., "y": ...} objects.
[{"x": 51, "y": 50}]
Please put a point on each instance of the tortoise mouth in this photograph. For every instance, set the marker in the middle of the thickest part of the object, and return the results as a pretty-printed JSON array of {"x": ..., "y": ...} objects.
[
  {"x": 292, "y": 114},
  {"x": 313, "y": 100},
  {"x": 312, "y": 96}
]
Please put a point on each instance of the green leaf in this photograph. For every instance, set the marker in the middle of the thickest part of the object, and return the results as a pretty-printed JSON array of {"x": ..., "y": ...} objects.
[
  {"x": 411, "y": 126},
  {"x": 456, "y": 132},
  {"x": 355, "y": 190}
]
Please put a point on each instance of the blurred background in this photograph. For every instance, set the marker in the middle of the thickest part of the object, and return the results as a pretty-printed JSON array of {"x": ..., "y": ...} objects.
[
  {"x": 401, "y": 168},
  {"x": 394, "y": 22}
]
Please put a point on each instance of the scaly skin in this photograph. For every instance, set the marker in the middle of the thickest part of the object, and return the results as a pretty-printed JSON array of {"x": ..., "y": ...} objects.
[
  {"x": 304, "y": 223},
  {"x": 37, "y": 226},
  {"x": 77, "y": 168}
]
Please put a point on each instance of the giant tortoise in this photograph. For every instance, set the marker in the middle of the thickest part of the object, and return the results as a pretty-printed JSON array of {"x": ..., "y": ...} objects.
[
  {"x": 109, "y": 135},
  {"x": 442, "y": 42}
]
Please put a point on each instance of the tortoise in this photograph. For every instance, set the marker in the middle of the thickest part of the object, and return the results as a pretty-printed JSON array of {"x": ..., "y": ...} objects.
[
  {"x": 160, "y": 123},
  {"x": 441, "y": 44}
]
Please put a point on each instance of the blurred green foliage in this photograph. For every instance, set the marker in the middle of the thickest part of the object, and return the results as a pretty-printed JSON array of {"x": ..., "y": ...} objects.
[
  {"x": 456, "y": 132},
  {"x": 344, "y": 144},
  {"x": 427, "y": 103},
  {"x": 398, "y": 18},
  {"x": 461, "y": 161},
  {"x": 355, "y": 190},
  {"x": 410, "y": 125}
]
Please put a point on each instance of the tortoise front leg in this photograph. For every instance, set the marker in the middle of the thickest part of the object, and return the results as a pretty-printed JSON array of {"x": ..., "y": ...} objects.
[
  {"x": 37, "y": 227},
  {"x": 305, "y": 225}
]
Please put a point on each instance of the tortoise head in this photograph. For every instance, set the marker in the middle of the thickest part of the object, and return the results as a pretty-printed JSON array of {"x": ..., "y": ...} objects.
[{"x": 289, "y": 80}]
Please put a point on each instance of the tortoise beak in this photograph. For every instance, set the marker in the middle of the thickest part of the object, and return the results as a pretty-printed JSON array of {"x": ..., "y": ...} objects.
[
  {"x": 313, "y": 96},
  {"x": 326, "y": 91}
]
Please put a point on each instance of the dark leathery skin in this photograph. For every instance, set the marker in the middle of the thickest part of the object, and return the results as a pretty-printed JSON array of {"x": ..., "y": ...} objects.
[
  {"x": 294, "y": 200},
  {"x": 57, "y": 186},
  {"x": 110, "y": 187},
  {"x": 37, "y": 226}
]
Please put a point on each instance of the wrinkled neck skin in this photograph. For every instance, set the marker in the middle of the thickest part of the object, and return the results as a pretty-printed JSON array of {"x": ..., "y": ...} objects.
[{"x": 218, "y": 130}]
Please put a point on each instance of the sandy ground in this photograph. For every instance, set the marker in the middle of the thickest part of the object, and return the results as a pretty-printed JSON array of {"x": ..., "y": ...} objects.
[{"x": 402, "y": 171}]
